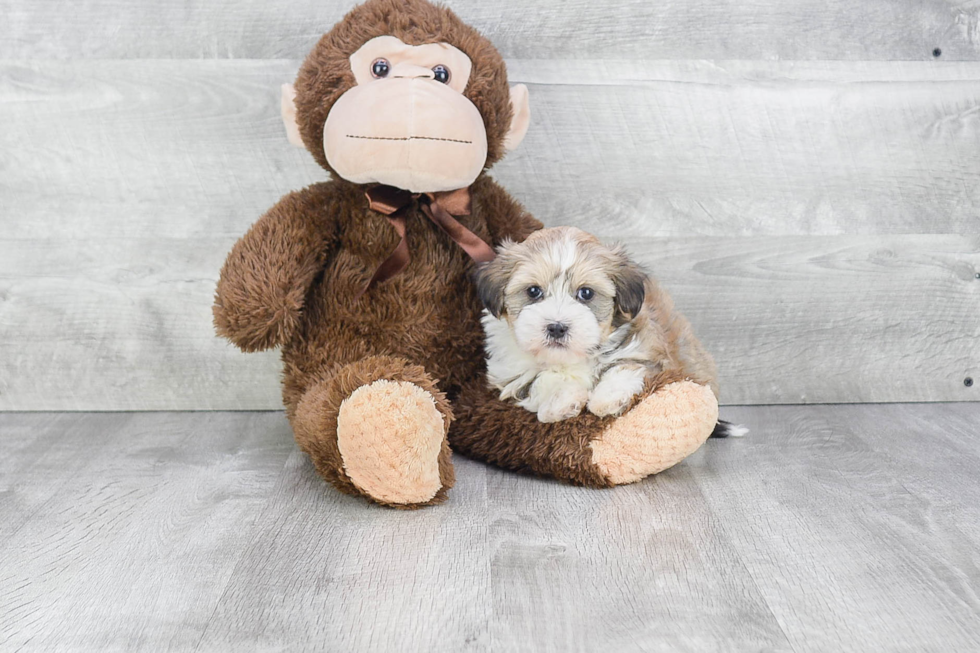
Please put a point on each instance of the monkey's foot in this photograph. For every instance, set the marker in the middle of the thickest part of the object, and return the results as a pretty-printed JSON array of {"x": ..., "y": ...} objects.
[
  {"x": 390, "y": 435},
  {"x": 659, "y": 432}
]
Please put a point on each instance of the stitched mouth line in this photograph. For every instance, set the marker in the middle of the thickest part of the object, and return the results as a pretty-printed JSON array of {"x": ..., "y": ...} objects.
[{"x": 409, "y": 138}]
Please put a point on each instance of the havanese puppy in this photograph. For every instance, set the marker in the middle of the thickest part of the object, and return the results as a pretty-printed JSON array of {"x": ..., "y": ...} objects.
[{"x": 571, "y": 323}]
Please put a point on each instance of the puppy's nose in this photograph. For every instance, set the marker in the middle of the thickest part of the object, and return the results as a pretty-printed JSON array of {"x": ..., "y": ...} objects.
[{"x": 557, "y": 330}]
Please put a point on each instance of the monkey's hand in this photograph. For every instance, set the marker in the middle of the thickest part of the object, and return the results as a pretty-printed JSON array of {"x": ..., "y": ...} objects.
[{"x": 266, "y": 276}]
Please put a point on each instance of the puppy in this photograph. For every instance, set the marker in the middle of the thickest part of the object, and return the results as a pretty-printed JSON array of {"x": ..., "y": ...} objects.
[{"x": 573, "y": 324}]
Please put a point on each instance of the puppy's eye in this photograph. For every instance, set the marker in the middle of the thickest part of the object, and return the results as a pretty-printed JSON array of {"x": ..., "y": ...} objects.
[
  {"x": 584, "y": 294},
  {"x": 535, "y": 292},
  {"x": 441, "y": 73},
  {"x": 380, "y": 68}
]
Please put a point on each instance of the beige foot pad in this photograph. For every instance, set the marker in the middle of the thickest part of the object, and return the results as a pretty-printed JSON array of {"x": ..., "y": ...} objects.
[
  {"x": 662, "y": 430},
  {"x": 389, "y": 434}
]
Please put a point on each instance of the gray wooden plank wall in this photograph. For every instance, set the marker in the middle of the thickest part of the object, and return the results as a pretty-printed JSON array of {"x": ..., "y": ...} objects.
[
  {"x": 804, "y": 176},
  {"x": 870, "y": 30}
]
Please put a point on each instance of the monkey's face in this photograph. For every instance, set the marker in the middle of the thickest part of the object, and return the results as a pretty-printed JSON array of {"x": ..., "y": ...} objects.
[
  {"x": 407, "y": 123},
  {"x": 421, "y": 103}
]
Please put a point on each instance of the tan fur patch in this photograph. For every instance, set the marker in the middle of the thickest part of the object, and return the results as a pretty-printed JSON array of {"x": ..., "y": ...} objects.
[
  {"x": 389, "y": 434},
  {"x": 664, "y": 429}
]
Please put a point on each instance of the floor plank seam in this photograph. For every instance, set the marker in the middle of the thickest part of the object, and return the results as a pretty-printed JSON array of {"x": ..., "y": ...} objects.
[
  {"x": 241, "y": 556},
  {"x": 717, "y": 523}
]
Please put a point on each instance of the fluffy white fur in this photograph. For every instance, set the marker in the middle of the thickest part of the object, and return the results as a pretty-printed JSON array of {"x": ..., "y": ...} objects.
[
  {"x": 557, "y": 379},
  {"x": 603, "y": 348},
  {"x": 562, "y": 381}
]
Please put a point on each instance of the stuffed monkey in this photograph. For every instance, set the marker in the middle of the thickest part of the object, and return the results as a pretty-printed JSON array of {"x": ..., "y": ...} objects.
[{"x": 364, "y": 281}]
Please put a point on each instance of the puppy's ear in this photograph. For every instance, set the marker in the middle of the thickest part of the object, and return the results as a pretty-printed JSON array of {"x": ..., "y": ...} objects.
[
  {"x": 491, "y": 283},
  {"x": 630, "y": 282},
  {"x": 490, "y": 286}
]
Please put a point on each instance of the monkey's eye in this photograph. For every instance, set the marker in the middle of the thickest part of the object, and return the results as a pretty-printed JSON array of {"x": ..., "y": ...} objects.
[
  {"x": 585, "y": 293},
  {"x": 442, "y": 74},
  {"x": 535, "y": 292},
  {"x": 380, "y": 68}
]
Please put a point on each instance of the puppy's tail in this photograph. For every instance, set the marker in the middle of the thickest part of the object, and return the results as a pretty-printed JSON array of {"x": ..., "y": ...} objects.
[{"x": 725, "y": 429}]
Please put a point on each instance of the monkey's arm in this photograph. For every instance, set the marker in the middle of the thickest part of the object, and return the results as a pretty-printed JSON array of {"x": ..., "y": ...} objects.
[
  {"x": 267, "y": 274},
  {"x": 505, "y": 217}
]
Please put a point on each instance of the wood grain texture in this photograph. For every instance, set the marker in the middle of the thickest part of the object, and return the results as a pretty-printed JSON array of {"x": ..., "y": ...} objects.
[
  {"x": 125, "y": 323},
  {"x": 303, "y": 567},
  {"x": 942, "y": 475},
  {"x": 184, "y": 148},
  {"x": 125, "y": 183},
  {"x": 844, "y": 528},
  {"x": 124, "y": 528},
  {"x": 548, "y": 29},
  {"x": 830, "y": 319},
  {"x": 650, "y": 569},
  {"x": 834, "y": 511}
]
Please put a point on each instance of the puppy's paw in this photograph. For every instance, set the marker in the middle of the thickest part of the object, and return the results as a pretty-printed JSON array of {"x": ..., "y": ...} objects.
[
  {"x": 615, "y": 391},
  {"x": 555, "y": 413},
  {"x": 562, "y": 406},
  {"x": 611, "y": 405}
]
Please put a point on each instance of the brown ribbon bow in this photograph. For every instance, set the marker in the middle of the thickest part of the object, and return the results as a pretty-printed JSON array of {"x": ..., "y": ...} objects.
[{"x": 438, "y": 207}]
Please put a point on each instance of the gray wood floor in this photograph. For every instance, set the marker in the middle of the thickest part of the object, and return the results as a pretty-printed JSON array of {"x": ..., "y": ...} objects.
[{"x": 829, "y": 528}]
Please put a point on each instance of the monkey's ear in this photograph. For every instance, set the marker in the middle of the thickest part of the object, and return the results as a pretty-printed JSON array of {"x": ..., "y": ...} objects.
[
  {"x": 630, "y": 282},
  {"x": 522, "y": 117},
  {"x": 491, "y": 283},
  {"x": 288, "y": 107}
]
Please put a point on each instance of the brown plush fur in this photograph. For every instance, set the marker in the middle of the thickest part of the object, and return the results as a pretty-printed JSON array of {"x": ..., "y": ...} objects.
[
  {"x": 511, "y": 437},
  {"x": 294, "y": 279},
  {"x": 316, "y": 414}
]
